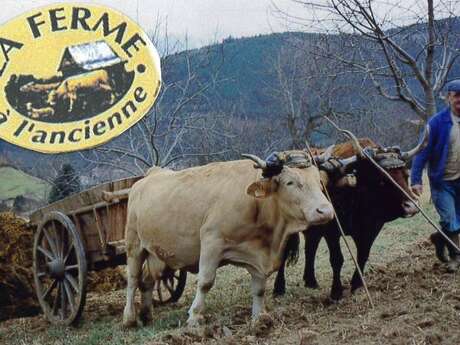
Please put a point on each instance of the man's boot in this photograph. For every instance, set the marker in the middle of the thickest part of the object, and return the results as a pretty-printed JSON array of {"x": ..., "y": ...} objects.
[
  {"x": 454, "y": 254},
  {"x": 439, "y": 246}
]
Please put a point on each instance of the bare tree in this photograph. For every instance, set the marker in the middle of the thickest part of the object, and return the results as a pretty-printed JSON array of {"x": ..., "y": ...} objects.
[
  {"x": 304, "y": 92},
  {"x": 168, "y": 133},
  {"x": 399, "y": 46},
  {"x": 308, "y": 88}
]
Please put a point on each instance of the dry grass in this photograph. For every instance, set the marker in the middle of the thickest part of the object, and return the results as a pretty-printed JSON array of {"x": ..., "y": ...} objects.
[
  {"x": 16, "y": 279},
  {"x": 416, "y": 303}
]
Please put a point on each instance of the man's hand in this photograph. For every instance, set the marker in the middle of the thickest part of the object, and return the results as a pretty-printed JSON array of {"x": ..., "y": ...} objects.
[{"x": 417, "y": 189}]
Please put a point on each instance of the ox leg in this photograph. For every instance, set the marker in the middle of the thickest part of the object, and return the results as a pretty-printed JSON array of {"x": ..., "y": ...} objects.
[
  {"x": 135, "y": 258},
  {"x": 146, "y": 288},
  {"x": 134, "y": 270},
  {"x": 280, "y": 282},
  {"x": 72, "y": 99},
  {"x": 209, "y": 261},
  {"x": 152, "y": 271},
  {"x": 112, "y": 97},
  {"x": 336, "y": 260},
  {"x": 110, "y": 92},
  {"x": 312, "y": 239},
  {"x": 364, "y": 248},
  {"x": 258, "y": 294},
  {"x": 291, "y": 253}
]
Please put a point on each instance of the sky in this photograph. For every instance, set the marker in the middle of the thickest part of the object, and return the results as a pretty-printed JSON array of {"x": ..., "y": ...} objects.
[
  {"x": 201, "y": 21},
  {"x": 209, "y": 21}
]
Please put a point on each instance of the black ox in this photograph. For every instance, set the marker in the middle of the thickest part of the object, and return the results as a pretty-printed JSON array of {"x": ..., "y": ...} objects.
[{"x": 362, "y": 209}]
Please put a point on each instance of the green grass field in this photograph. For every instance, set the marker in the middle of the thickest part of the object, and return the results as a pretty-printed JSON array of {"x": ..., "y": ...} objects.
[{"x": 15, "y": 182}]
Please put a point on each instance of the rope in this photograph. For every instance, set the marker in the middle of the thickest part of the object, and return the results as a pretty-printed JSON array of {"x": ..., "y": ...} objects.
[
  {"x": 358, "y": 269},
  {"x": 388, "y": 176},
  {"x": 412, "y": 200}
]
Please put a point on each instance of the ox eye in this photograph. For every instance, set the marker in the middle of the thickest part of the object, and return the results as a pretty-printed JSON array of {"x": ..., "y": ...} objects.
[{"x": 290, "y": 183}]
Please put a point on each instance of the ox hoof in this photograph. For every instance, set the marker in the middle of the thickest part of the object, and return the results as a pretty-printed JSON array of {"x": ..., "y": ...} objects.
[
  {"x": 336, "y": 296},
  {"x": 312, "y": 285},
  {"x": 263, "y": 316},
  {"x": 355, "y": 288},
  {"x": 146, "y": 315},
  {"x": 129, "y": 318},
  {"x": 279, "y": 292},
  {"x": 195, "y": 321},
  {"x": 129, "y": 323},
  {"x": 262, "y": 324},
  {"x": 332, "y": 301}
]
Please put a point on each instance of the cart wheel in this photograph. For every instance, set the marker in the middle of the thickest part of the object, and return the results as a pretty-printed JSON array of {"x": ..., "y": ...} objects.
[
  {"x": 59, "y": 269},
  {"x": 170, "y": 287}
]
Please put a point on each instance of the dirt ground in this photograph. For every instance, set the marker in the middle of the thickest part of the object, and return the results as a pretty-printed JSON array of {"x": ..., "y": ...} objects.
[{"x": 416, "y": 302}]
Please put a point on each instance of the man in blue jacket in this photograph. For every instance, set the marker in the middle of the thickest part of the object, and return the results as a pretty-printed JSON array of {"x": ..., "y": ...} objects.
[{"x": 443, "y": 157}]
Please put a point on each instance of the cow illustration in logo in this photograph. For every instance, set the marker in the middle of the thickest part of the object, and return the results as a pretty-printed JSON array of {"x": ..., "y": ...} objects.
[
  {"x": 95, "y": 81},
  {"x": 90, "y": 78}
]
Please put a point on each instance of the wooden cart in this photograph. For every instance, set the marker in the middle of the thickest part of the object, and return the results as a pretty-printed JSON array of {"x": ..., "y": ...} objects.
[{"x": 81, "y": 233}]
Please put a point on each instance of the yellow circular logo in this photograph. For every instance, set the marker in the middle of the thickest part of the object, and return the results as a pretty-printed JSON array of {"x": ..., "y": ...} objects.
[{"x": 74, "y": 77}]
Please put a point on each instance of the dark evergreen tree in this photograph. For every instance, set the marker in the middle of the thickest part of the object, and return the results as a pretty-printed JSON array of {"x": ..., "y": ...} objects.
[{"x": 66, "y": 183}]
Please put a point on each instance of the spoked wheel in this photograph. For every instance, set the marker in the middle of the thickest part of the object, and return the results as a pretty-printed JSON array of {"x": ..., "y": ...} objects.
[
  {"x": 170, "y": 288},
  {"x": 59, "y": 269}
]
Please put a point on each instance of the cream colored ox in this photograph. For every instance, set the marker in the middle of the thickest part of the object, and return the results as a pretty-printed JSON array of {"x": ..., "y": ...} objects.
[
  {"x": 33, "y": 87},
  {"x": 38, "y": 113},
  {"x": 204, "y": 217},
  {"x": 95, "y": 81}
]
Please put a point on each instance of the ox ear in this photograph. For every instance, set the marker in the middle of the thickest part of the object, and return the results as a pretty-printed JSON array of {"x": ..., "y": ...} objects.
[{"x": 260, "y": 189}]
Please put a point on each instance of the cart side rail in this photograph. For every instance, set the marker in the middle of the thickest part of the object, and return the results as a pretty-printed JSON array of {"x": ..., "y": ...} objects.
[{"x": 86, "y": 199}]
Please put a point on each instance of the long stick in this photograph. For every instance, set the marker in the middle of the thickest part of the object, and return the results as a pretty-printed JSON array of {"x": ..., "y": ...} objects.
[
  {"x": 358, "y": 269},
  {"x": 388, "y": 176},
  {"x": 412, "y": 200}
]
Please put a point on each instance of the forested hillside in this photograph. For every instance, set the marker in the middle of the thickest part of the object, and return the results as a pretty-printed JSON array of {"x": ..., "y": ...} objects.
[{"x": 259, "y": 93}]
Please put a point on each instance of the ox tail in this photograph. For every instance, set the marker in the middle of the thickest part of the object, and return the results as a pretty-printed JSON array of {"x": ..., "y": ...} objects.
[{"x": 291, "y": 253}]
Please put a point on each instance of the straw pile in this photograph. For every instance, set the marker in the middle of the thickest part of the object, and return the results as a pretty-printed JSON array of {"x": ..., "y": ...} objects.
[
  {"x": 16, "y": 278},
  {"x": 17, "y": 292}
]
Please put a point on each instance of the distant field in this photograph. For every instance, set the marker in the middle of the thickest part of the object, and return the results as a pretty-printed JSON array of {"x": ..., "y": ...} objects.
[{"x": 15, "y": 182}]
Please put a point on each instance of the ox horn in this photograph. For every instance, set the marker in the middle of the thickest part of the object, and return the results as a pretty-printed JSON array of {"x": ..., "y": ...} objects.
[
  {"x": 408, "y": 155},
  {"x": 260, "y": 163},
  {"x": 325, "y": 155},
  {"x": 354, "y": 140},
  {"x": 349, "y": 160}
]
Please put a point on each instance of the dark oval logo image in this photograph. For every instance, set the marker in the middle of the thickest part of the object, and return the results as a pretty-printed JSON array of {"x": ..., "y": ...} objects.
[{"x": 74, "y": 76}]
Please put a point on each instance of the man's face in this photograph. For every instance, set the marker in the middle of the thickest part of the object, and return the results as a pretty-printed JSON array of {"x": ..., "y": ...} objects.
[{"x": 454, "y": 101}]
